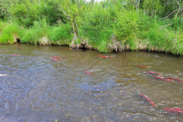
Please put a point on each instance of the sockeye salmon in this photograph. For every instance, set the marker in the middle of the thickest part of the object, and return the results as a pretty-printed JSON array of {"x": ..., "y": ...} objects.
[
  {"x": 175, "y": 79},
  {"x": 151, "y": 72},
  {"x": 162, "y": 78},
  {"x": 15, "y": 55},
  {"x": 150, "y": 101},
  {"x": 87, "y": 72},
  {"x": 142, "y": 66},
  {"x": 174, "y": 110},
  {"x": 55, "y": 57},
  {"x": 56, "y": 60}
]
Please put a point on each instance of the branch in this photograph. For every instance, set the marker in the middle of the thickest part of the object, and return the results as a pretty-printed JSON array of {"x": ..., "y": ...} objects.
[
  {"x": 169, "y": 14},
  {"x": 178, "y": 8}
]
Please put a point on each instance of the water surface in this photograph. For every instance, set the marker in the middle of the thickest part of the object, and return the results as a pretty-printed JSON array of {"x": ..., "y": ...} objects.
[{"x": 37, "y": 89}]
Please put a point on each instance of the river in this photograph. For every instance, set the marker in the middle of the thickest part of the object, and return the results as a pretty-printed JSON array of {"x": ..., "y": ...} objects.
[{"x": 37, "y": 89}]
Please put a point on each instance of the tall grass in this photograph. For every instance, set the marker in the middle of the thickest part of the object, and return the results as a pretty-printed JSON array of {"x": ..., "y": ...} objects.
[
  {"x": 7, "y": 30},
  {"x": 61, "y": 34},
  {"x": 34, "y": 33}
]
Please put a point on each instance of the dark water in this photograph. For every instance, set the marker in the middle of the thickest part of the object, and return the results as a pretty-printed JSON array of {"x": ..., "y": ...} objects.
[{"x": 37, "y": 89}]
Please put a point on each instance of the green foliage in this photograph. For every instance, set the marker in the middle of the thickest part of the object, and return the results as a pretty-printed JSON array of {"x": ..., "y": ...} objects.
[
  {"x": 7, "y": 32},
  {"x": 126, "y": 26},
  {"x": 50, "y": 9},
  {"x": 152, "y": 7},
  {"x": 128, "y": 20},
  {"x": 97, "y": 26},
  {"x": 34, "y": 33},
  {"x": 26, "y": 13},
  {"x": 60, "y": 33}
]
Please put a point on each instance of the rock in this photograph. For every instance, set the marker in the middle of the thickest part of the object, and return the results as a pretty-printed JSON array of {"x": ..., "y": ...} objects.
[
  {"x": 44, "y": 41},
  {"x": 15, "y": 38}
]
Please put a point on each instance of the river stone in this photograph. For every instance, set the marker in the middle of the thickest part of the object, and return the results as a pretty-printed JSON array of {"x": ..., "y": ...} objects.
[{"x": 44, "y": 41}]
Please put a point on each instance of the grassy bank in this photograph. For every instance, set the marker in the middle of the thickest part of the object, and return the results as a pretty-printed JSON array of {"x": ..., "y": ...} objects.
[{"x": 105, "y": 26}]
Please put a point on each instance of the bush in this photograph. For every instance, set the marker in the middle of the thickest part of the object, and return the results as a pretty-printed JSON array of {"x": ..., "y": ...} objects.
[
  {"x": 34, "y": 33},
  {"x": 7, "y": 31},
  {"x": 61, "y": 33},
  {"x": 126, "y": 26}
]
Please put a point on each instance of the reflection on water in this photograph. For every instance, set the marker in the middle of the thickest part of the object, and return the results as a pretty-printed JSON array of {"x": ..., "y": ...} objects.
[{"x": 37, "y": 89}]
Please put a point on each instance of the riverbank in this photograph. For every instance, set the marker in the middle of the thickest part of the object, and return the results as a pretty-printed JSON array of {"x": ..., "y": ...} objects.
[
  {"x": 151, "y": 36},
  {"x": 105, "y": 26},
  {"x": 42, "y": 34}
]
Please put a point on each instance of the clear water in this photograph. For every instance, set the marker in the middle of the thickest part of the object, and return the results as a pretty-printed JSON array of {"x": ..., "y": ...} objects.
[{"x": 37, "y": 89}]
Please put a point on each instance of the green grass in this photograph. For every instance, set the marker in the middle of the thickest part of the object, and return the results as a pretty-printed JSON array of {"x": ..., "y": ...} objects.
[
  {"x": 7, "y": 30},
  {"x": 60, "y": 33},
  {"x": 34, "y": 33},
  {"x": 159, "y": 34}
]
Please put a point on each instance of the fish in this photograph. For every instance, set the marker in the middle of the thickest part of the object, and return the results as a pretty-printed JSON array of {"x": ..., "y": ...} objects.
[
  {"x": 56, "y": 60},
  {"x": 56, "y": 57},
  {"x": 3, "y": 74},
  {"x": 175, "y": 79},
  {"x": 104, "y": 57},
  {"x": 174, "y": 110},
  {"x": 150, "y": 101},
  {"x": 15, "y": 55},
  {"x": 142, "y": 66},
  {"x": 87, "y": 72},
  {"x": 152, "y": 72},
  {"x": 162, "y": 78},
  {"x": 99, "y": 55}
]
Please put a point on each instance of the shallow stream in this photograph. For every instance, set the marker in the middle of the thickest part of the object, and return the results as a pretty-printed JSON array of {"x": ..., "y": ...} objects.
[{"x": 37, "y": 89}]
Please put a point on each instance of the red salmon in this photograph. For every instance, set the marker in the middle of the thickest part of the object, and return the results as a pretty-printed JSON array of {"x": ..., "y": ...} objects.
[
  {"x": 56, "y": 57},
  {"x": 175, "y": 79},
  {"x": 174, "y": 110},
  {"x": 87, "y": 72},
  {"x": 104, "y": 57},
  {"x": 99, "y": 56},
  {"x": 15, "y": 55},
  {"x": 56, "y": 60},
  {"x": 142, "y": 66},
  {"x": 146, "y": 98},
  {"x": 162, "y": 78},
  {"x": 151, "y": 72}
]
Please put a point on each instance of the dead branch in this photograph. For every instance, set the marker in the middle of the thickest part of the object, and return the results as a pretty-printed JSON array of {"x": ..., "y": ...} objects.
[{"x": 169, "y": 14}]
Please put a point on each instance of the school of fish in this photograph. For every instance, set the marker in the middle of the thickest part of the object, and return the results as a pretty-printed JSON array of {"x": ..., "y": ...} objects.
[{"x": 169, "y": 110}]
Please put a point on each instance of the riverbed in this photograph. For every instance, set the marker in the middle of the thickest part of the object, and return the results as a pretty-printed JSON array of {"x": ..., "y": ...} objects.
[{"x": 38, "y": 89}]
